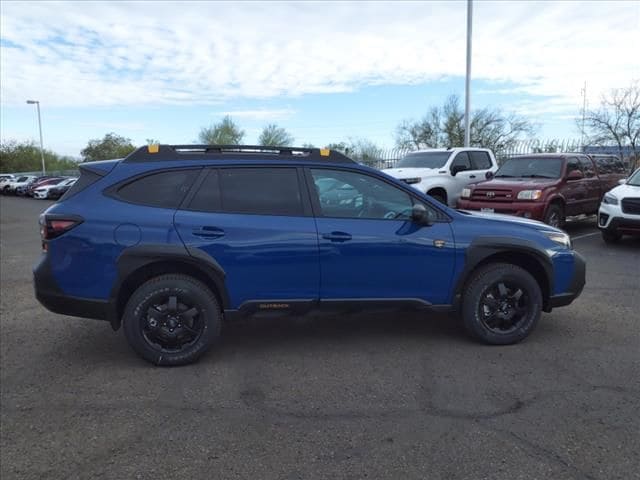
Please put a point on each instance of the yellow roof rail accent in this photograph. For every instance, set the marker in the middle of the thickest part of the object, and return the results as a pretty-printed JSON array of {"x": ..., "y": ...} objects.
[
  {"x": 325, "y": 152},
  {"x": 153, "y": 148}
]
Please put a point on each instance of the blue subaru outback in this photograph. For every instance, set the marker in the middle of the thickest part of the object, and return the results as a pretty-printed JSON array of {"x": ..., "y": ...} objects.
[{"x": 172, "y": 240}]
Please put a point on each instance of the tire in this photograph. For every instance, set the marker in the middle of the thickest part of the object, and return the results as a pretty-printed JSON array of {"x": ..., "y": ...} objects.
[
  {"x": 155, "y": 326},
  {"x": 555, "y": 216},
  {"x": 483, "y": 301},
  {"x": 439, "y": 197},
  {"x": 611, "y": 236}
]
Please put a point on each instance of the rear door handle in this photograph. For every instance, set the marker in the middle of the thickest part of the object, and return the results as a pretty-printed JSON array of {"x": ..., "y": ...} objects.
[
  {"x": 337, "y": 236},
  {"x": 472, "y": 176},
  {"x": 208, "y": 232}
]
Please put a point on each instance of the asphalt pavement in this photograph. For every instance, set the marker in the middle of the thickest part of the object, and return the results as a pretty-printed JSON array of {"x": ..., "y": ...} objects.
[{"x": 365, "y": 396}]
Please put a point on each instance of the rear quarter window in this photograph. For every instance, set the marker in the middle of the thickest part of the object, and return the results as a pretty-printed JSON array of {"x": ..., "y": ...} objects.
[{"x": 163, "y": 189}]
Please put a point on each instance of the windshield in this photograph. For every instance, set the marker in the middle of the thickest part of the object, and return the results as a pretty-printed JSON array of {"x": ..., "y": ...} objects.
[
  {"x": 424, "y": 160},
  {"x": 634, "y": 179},
  {"x": 530, "y": 167}
]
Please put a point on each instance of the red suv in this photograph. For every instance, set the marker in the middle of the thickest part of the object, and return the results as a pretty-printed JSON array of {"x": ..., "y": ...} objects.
[{"x": 546, "y": 187}]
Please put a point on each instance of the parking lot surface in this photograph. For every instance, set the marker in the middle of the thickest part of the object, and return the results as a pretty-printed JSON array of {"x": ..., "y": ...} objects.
[{"x": 384, "y": 396}]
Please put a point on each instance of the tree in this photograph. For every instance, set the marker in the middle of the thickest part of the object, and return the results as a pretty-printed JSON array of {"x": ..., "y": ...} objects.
[
  {"x": 444, "y": 127},
  {"x": 227, "y": 132},
  {"x": 25, "y": 157},
  {"x": 153, "y": 141},
  {"x": 274, "y": 136},
  {"x": 616, "y": 121},
  {"x": 364, "y": 151},
  {"x": 111, "y": 146}
]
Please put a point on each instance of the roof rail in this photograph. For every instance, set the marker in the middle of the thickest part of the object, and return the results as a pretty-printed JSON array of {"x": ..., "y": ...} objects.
[{"x": 158, "y": 153}]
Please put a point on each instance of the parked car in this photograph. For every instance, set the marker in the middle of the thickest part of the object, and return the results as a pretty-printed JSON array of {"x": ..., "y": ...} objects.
[
  {"x": 547, "y": 187},
  {"x": 19, "y": 183},
  {"x": 6, "y": 177},
  {"x": 39, "y": 182},
  {"x": 57, "y": 191},
  {"x": 171, "y": 241},
  {"x": 619, "y": 212},
  {"x": 44, "y": 189},
  {"x": 443, "y": 173}
]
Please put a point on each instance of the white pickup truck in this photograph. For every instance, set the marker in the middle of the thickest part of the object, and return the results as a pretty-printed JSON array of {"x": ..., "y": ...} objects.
[{"x": 443, "y": 173}]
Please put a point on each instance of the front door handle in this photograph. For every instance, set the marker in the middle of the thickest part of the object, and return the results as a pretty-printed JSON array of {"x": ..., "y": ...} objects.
[
  {"x": 337, "y": 236},
  {"x": 208, "y": 232},
  {"x": 472, "y": 176}
]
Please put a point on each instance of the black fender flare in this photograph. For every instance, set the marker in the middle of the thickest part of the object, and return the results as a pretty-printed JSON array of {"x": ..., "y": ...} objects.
[
  {"x": 484, "y": 247},
  {"x": 132, "y": 259}
]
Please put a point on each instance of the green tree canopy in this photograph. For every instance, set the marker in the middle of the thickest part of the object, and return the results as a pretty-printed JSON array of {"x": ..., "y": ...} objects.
[
  {"x": 111, "y": 146},
  {"x": 227, "y": 132},
  {"x": 444, "y": 127},
  {"x": 25, "y": 157},
  {"x": 273, "y": 136}
]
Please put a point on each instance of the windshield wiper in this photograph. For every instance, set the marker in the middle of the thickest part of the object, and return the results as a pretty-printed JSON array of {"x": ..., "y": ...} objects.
[
  {"x": 502, "y": 175},
  {"x": 535, "y": 175}
]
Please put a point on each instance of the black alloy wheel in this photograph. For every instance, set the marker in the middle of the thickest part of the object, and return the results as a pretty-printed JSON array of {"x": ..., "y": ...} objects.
[
  {"x": 504, "y": 307},
  {"x": 173, "y": 324}
]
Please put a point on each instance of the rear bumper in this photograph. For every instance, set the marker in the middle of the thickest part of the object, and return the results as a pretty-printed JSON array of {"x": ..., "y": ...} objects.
[
  {"x": 533, "y": 210},
  {"x": 55, "y": 300},
  {"x": 575, "y": 287}
]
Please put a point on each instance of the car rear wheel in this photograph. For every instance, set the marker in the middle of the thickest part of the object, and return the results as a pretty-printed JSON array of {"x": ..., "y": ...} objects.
[
  {"x": 502, "y": 304},
  {"x": 172, "y": 320},
  {"x": 439, "y": 197},
  {"x": 611, "y": 237},
  {"x": 555, "y": 216}
]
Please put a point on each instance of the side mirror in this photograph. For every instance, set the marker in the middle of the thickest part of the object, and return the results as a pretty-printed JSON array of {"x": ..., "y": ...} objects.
[
  {"x": 489, "y": 175},
  {"x": 575, "y": 175},
  {"x": 622, "y": 181},
  {"x": 457, "y": 169},
  {"x": 421, "y": 215}
]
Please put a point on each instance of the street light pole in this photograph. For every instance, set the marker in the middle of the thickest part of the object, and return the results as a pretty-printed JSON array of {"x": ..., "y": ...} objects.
[
  {"x": 37, "y": 104},
  {"x": 467, "y": 85}
]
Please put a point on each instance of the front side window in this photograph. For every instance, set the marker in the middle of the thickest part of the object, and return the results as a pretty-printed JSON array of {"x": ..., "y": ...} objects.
[
  {"x": 345, "y": 194},
  {"x": 573, "y": 164},
  {"x": 461, "y": 162},
  {"x": 260, "y": 191},
  {"x": 587, "y": 167},
  {"x": 480, "y": 160}
]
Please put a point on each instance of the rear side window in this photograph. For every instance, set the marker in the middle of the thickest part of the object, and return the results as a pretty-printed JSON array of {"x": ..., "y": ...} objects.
[
  {"x": 163, "y": 189},
  {"x": 260, "y": 191},
  {"x": 207, "y": 198},
  {"x": 480, "y": 160}
]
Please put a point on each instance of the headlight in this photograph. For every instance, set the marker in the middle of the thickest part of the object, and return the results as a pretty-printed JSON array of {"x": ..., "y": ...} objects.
[
  {"x": 411, "y": 181},
  {"x": 560, "y": 238},
  {"x": 466, "y": 193},
  {"x": 530, "y": 195},
  {"x": 609, "y": 199}
]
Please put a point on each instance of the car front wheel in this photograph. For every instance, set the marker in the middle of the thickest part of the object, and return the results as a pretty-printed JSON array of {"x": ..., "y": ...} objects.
[
  {"x": 610, "y": 236},
  {"x": 502, "y": 304},
  {"x": 172, "y": 319}
]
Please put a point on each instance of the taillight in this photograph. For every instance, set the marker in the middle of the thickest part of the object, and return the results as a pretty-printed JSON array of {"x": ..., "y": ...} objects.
[{"x": 52, "y": 227}]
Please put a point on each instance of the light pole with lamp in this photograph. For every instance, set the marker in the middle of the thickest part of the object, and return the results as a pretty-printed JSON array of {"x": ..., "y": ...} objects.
[{"x": 37, "y": 104}]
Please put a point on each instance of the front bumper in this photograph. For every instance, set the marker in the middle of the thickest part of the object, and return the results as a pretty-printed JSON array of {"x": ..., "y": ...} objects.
[
  {"x": 55, "y": 300},
  {"x": 575, "y": 286},
  {"x": 611, "y": 218},
  {"x": 533, "y": 210}
]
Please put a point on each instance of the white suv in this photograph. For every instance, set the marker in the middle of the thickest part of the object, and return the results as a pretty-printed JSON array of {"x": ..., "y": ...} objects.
[
  {"x": 619, "y": 212},
  {"x": 443, "y": 173}
]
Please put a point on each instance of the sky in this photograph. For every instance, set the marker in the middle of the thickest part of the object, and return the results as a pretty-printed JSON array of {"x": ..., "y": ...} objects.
[{"x": 325, "y": 71}]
